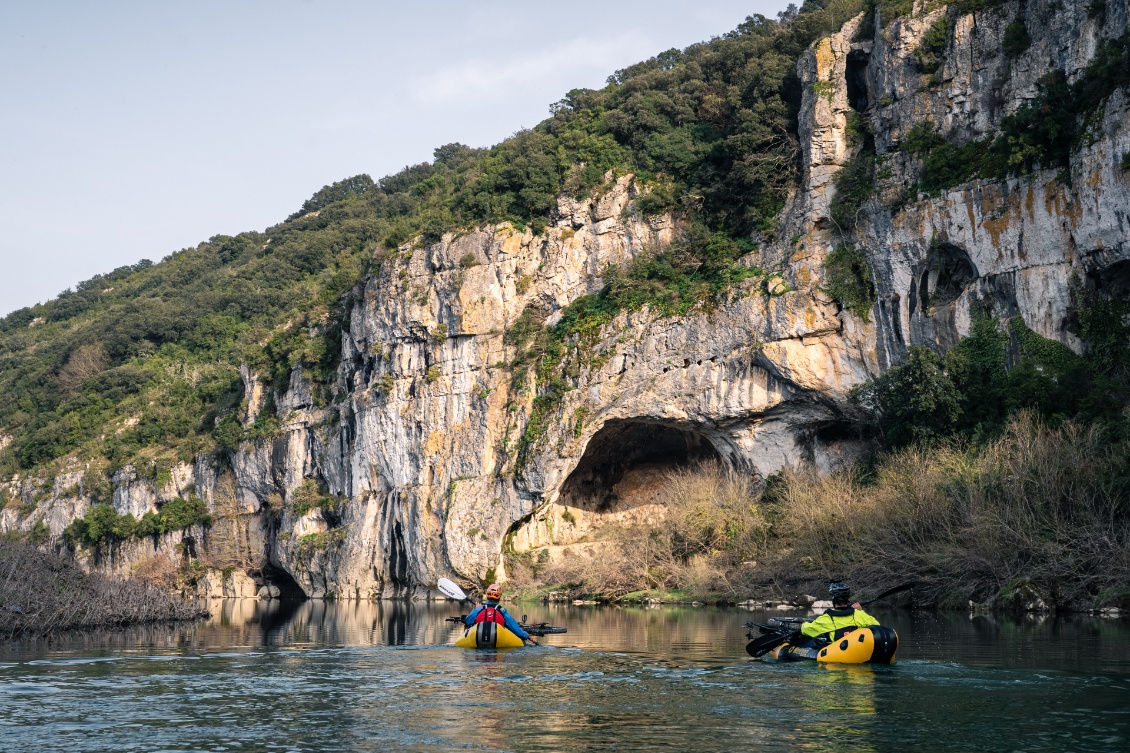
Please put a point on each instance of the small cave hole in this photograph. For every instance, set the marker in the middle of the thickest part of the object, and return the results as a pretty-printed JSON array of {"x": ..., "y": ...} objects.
[
  {"x": 1112, "y": 281},
  {"x": 951, "y": 272},
  {"x": 625, "y": 462},
  {"x": 837, "y": 431},
  {"x": 855, "y": 75}
]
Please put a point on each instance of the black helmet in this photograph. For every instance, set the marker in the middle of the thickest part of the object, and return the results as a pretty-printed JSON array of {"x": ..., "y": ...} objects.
[{"x": 839, "y": 591}]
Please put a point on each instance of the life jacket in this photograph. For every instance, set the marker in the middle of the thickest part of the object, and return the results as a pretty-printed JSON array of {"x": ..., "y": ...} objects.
[
  {"x": 834, "y": 624},
  {"x": 491, "y": 614},
  {"x": 845, "y": 612}
]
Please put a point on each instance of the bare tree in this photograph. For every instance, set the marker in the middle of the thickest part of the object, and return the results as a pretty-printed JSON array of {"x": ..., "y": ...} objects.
[
  {"x": 229, "y": 538},
  {"x": 42, "y": 592},
  {"x": 84, "y": 362}
]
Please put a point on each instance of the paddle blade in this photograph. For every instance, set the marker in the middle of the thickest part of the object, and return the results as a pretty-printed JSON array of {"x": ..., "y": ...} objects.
[
  {"x": 450, "y": 590},
  {"x": 763, "y": 645}
]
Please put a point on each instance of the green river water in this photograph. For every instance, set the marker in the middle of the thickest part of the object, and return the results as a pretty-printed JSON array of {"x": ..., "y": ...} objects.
[{"x": 320, "y": 676}]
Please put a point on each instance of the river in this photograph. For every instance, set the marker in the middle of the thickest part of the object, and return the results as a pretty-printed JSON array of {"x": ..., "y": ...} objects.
[{"x": 319, "y": 676}]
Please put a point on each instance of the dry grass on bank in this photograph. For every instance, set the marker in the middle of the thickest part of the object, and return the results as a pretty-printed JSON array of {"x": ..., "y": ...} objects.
[
  {"x": 712, "y": 523},
  {"x": 1050, "y": 506},
  {"x": 1041, "y": 505},
  {"x": 40, "y": 593}
]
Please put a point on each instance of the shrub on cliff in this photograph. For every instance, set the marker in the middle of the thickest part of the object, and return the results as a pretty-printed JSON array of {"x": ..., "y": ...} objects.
[
  {"x": 927, "y": 57},
  {"x": 913, "y": 402},
  {"x": 847, "y": 280},
  {"x": 102, "y": 524},
  {"x": 998, "y": 370}
]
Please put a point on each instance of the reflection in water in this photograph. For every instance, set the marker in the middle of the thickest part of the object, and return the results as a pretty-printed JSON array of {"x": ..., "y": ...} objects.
[
  {"x": 323, "y": 676},
  {"x": 841, "y": 700}
]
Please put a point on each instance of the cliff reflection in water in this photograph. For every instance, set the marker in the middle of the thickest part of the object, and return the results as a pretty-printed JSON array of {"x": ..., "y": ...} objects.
[
  {"x": 668, "y": 634},
  {"x": 675, "y": 632},
  {"x": 352, "y": 623}
]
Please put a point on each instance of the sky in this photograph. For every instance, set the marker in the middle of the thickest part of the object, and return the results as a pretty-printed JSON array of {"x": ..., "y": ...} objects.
[{"x": 131, "y": 130}]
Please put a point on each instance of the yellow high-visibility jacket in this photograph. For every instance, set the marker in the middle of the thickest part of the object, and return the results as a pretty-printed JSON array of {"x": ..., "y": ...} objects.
[{"x": 836, "y": 619}]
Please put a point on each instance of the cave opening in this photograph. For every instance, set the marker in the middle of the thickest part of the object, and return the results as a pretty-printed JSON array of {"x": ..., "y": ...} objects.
[
  {"x": 1112, "y": 281},
  {"x": 287, "y": 585},
  {"x": 953, "y": 271},
  {"x": 855, "y": 75},
  {"x": 626, "y": 459}
]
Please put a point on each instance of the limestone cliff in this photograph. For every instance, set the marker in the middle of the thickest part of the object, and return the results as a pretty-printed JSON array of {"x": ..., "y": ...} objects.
[{"x": 423, "y": 451}]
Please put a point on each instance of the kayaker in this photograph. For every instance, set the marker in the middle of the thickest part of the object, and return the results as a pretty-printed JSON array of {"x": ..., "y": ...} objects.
[
  {"x": 842, "y": 618},
  {"x": 491, "y": 611}
]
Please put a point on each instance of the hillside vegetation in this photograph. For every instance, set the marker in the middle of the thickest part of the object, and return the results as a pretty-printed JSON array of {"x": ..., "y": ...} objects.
[{"x": 141, "y": 365}]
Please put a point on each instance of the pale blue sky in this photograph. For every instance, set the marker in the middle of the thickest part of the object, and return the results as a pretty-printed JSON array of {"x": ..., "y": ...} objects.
[{"x": 129, "y": 130}]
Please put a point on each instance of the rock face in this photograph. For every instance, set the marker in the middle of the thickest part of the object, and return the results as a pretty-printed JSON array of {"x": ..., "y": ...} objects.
[
  {"x": 1012, "y": 244},
  {"x": 420, "y": 452}
]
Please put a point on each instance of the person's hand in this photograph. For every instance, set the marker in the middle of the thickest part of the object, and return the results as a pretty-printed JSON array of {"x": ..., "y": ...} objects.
[{"x": 856, "y": 605}]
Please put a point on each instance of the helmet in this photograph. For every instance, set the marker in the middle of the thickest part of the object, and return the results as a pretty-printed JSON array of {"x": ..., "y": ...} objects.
[
  {"x": 839, "y": 591},
  {"x": 494, "y": 591}
]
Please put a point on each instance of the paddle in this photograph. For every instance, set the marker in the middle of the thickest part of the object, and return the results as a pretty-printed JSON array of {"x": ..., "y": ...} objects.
[
  {"x": 766, "y": 643},
  {"x": 890, "y": 592},
  {"x": 772, "y": 636},
  {"x": 450, "y": 590}
]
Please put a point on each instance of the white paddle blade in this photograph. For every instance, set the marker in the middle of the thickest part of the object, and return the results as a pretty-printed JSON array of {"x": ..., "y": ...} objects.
[{"x": 450, "y": 590}]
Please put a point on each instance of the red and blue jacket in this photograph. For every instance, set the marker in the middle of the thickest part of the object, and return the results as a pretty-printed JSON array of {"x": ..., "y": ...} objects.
[{"x": 485, "y": 611}]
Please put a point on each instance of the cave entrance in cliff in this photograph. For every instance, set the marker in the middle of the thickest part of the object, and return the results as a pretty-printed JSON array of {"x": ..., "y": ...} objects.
[
  {"x": 287, "y": 585},
  {"x": 625, "y": 462},
  {"x": 1112, "y": 281},
  {"x": 855, "y": 75}
]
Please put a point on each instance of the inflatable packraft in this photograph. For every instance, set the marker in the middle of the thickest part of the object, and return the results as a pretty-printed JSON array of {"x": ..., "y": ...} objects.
[
  {"x": 781, "y": 640},
  {"x": 489, "y": 635},
  {"x": 494, "y": 635},
  {"x": 868, "y": 645}
]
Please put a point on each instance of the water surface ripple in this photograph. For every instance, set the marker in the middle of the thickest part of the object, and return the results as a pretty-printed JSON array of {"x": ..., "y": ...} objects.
[{"x": 321, "y": 677}]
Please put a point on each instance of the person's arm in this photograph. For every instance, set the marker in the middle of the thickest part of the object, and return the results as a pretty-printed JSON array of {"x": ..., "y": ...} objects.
[
  {"x": 513, "y": 626},
  {"x": 817, "y": 627},
  {"x": 469, "y": 620},
  {"x": 862, "y": 619}
]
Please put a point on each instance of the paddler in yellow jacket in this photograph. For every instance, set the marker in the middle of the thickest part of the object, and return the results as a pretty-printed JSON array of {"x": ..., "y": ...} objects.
[{"x": 842, "y": 618}]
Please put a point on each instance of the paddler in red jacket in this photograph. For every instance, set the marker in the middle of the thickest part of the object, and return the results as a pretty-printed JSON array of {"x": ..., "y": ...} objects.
[{"x": 491, "y": 611}]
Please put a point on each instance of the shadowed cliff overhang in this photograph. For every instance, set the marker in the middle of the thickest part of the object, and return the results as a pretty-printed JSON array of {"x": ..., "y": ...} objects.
[{"x": 623, "y": 445}]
